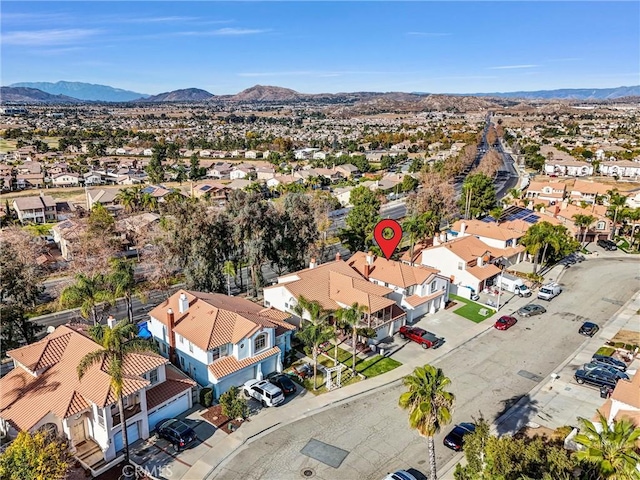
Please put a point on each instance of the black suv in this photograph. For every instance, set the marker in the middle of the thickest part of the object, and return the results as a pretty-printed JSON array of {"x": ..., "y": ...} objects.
[
  {"x": 177, "y": 432},
  {"x": 614, "y": 362},
  {"x": 607, "y": 244},
  {"x": 598, "y": 377}
]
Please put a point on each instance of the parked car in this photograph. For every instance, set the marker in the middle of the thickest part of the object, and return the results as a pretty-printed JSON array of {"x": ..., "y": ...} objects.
[
  {"x": 400, "y": 475},
  {"x": 263, "y": 391},
  {"x": 612, "y": 370},
  {"x": 424, "y": 338},
  {"x": 614, "y": 362},
  {"x": 607, "y": 244},
  {"x": 588, "y": 329},
  {"x": 175, "y": 431},
  {"x": 549, "y": 291},
  {"x": 284, "y": 383},
  {"x": 598, "y": 377},
  {"x": 455, "y": 438},
  {"x": 531, "y": 310},
  {"x": 504, "y": 322}
]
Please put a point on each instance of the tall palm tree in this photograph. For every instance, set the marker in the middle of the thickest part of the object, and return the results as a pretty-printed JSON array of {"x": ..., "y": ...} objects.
[
  {"x": 430, "y": 405},
  {"x": 534, "y": 240},
  {"x": 351, "y": 317},
  {"x": 416, "y": 227},
  {"x": 583, "y": 222},
  {"x": 317, "y": 315},
  {"x": 148, "y": 202},
  {"x": 313, "y": 335},
  {"x": 229, "y": 270},
  {"x": 87, "y": 292},
  {"x": 123, "y": 283},
  {"x": 616, "y": 202},
  {"x": 127, "y": 198},
  {"x": 115, "y": 344},
  {"x": 613, "y": 449}
]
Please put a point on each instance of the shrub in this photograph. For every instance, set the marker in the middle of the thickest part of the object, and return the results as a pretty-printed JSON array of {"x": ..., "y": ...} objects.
[
  {"x": 233, "y": 404},
  {"x": 206, "y": 397}
]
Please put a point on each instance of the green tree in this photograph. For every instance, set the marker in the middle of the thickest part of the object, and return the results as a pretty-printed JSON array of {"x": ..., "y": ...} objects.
[
  {"x": 129, "y": 198},
  {"x": 87, "y": 293},
  {"x": 233, "y": 404},
  {"x": 313, "y": 335},
  {"x": 419, "y": 227},
  {"x": 351, "y": 318},
  {"x": 583, "y": 222},
  {"x": 155, "y": 169},
  {"x": 534, "y": 240},
  {"x": 361, "y": 220},
  {"x": 195, "y": 172},
  {"x": 612, "y": 448},
  {"x": 100, "y": 222},
  {"x": 478, "y": 195},
  {"x": 617, "y": 201},
  {"x": 115, "y": 344},
  {"x": 148, "y": 202},
  {"x": 409, "y": 184},
  {"x": 416, "y": 165},
  {"x": 230, "y": 271},
  {"x": 35, "y": 456},
  {"x": 122, "y": 283},
  {"x": 430, "y": 406}
]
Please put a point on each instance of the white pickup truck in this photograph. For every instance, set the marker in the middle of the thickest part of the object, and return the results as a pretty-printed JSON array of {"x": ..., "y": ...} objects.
[{"x": 548, "y": 291}]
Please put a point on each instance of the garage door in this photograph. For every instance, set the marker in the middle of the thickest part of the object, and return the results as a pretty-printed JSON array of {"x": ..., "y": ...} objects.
[
  {"x": 133, "y": 434},
  {"x": 169, "y": 410}
]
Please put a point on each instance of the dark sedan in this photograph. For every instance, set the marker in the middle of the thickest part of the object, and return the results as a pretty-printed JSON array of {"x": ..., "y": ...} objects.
[
  {"x": 284, "y": 383},
  {"x": 614, "y": 362},
  {"x": 177, "y": 432},
  {"x": 455, "y": 438},
  {"x": 588, "y": 329}
]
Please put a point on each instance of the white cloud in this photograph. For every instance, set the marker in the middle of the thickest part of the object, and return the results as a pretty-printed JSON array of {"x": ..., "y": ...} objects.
[
  {"x": 224, "y": 32},
  {"x": 512, "y": 67},
  {"x": 47, "y": 37}
]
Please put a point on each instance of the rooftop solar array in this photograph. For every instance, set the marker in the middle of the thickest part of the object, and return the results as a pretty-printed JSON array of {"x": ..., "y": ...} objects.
[
  {"x": 515, "y": 213},
  {"x": 148, "y": 189}
]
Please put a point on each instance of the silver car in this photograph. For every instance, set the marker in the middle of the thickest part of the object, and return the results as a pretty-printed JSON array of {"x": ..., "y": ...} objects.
[{"x": 531, "y": 310}]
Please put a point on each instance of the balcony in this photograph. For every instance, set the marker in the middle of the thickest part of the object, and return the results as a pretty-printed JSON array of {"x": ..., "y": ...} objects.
[
  {"x": 382, "y": 317},
  {"x": 128, "y": 413}
]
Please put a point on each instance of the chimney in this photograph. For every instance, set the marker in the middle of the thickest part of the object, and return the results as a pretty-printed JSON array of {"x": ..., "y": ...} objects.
[
  {"x": 480, "y": 262},
  {"x": 338, "y": 257},
  {"x": 312, "y": 263},
  {"x": 111, "y": 321},
  {"x": 463, "y": 229},
  {"x": 370, "y": 258},
  {"x": 183, "y": 303},
  {"x": 367, "y": 271},
  {"x": 436, "y": 240},
  {"x": 171, "y": 323},
  {"x": 443, "y": 237}
]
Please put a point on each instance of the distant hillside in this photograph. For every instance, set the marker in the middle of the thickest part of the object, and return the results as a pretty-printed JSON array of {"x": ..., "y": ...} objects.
[
  {"x": 569, "y": 94},
  {"x": 265, "y": 93},
  {"x": 84, "y": 91},
  {"x": 184, "y": 95},
  {"x": 32, "y": 95}
]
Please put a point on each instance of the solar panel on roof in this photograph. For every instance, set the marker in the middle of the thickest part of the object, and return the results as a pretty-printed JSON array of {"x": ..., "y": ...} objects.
[{"x": 148, "y": 190}]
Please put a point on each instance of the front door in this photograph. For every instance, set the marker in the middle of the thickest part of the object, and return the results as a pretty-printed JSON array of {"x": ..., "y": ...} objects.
[{"x": 77, "y": 432}]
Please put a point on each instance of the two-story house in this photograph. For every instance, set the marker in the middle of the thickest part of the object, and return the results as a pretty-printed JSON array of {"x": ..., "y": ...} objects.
[
  {"x": 502, "y": 240},
  {"x": 336, "y": 285},
  {"x": 548, "y": 192},
  {"x": 220, "y": 340},
  {"x": 624, "y": 402},
  {"x": 36, "y": 209},
  {"x": 67, "y": 179},
  {"x": 467, "y": 261},
  {"x": 417, "y": 289},
  {"x": 43, "y": 392},
  {"x": 589, "y": 191}
]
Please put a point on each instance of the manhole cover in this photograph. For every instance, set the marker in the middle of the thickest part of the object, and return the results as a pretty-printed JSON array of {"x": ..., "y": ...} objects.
[{"x": 308, "y": 473}]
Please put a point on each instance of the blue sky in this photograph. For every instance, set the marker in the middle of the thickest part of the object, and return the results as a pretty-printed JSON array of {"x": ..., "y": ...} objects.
[{"x": 313, "y": 47}]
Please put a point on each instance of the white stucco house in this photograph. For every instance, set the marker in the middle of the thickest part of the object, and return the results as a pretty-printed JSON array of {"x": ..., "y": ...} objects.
[{"x": 219, "y": 340}]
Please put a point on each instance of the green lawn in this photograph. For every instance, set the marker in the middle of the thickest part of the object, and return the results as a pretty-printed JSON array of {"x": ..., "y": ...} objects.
[
  {"x": 471, "y": 310},
  {"x": 605, "y": 351},
  {"x": 370, "y": 367}
]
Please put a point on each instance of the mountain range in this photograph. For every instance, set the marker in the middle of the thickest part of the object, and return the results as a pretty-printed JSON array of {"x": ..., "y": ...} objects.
[{"x": 74, "y": 92}]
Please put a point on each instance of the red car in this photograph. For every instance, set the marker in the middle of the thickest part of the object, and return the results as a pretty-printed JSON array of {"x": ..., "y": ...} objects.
[
  {"x": 505, "y": 322},
  {"x": 418, "y": 335}
]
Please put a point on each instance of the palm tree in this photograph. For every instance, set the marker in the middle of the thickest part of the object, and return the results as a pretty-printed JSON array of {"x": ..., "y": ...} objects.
[
  {"x": 313, "y": 335},
  {"x": 516, "y": 195},
  {"x": 583, "y": 222},
  {"x": 115, "y": 344},
  {"x": 229, "y": 270},
  {"x": 148, "y": 202},
  {"x": 430, "y": 405},
  {"x": 616, "y": 202},
  {"x": 613, "y": 450},
  {"x": 351, "y": 317},
  {"x": 87, "y": 293},
  {"x": 127, "y": 197},
  {"x": 123, "y": 283},
  {"x": 534, "y": 240},
  {"x": 416, "y": 227},
  {"x": 317, "y": 315}
]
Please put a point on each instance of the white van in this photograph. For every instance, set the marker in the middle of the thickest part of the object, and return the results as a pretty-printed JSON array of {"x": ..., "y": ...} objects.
[{"x": 548, "y": 291}]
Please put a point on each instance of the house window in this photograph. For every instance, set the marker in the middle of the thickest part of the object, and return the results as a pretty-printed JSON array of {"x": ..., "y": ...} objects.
[
  {"x": 182, "y": 362},
  {"x": 153, "y": 376},
  {"x": 433, "y": 286},
  {"x": 267, "y": 303},
  {"x": 180, "y": 338},
  {"x": 191, "y": 347},
  {"x": 601, "y": 226},
  {"x": 260, "y": 342},
  {"x": 224, "y": 350},
  {"x": 460, "y": 265},
  {"x": 100, "y": 417},
  {"x": 163, "y": 348}
]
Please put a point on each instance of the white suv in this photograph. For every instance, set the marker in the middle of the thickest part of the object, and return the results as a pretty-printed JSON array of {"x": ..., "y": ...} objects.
[{"x": 263, "y": 391}]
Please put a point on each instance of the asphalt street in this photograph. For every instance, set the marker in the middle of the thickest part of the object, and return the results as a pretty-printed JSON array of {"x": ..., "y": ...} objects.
[{"x": 489, "y": 374}]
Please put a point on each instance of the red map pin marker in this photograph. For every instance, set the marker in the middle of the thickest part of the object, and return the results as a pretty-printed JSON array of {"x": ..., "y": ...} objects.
[{"x": 387, "y": 245}]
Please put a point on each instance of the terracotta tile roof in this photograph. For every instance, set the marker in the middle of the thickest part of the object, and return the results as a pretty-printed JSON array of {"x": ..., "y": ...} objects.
[
  {"x": 466, "y": 248},
  {"x": 175, "y": 383},
  {"x": 628, "y": 392},
  {"x": 392, "y": 272},
  {"x": 26, "y": 398},
  {"x": 415, "y": 300},
  {"x": 484, "y": 272},
  {"x": 538, "y": 186},
  {"x": 213, "y": 319},
  {"x": 605, "y": 410},
  {"x": 347, "y": 290},
  {"x": 593, "y": 188},
  {"x": 227, "y": 365},
  {"x": 488, "y": 230},
  {"x": 632, "y": 415}
]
